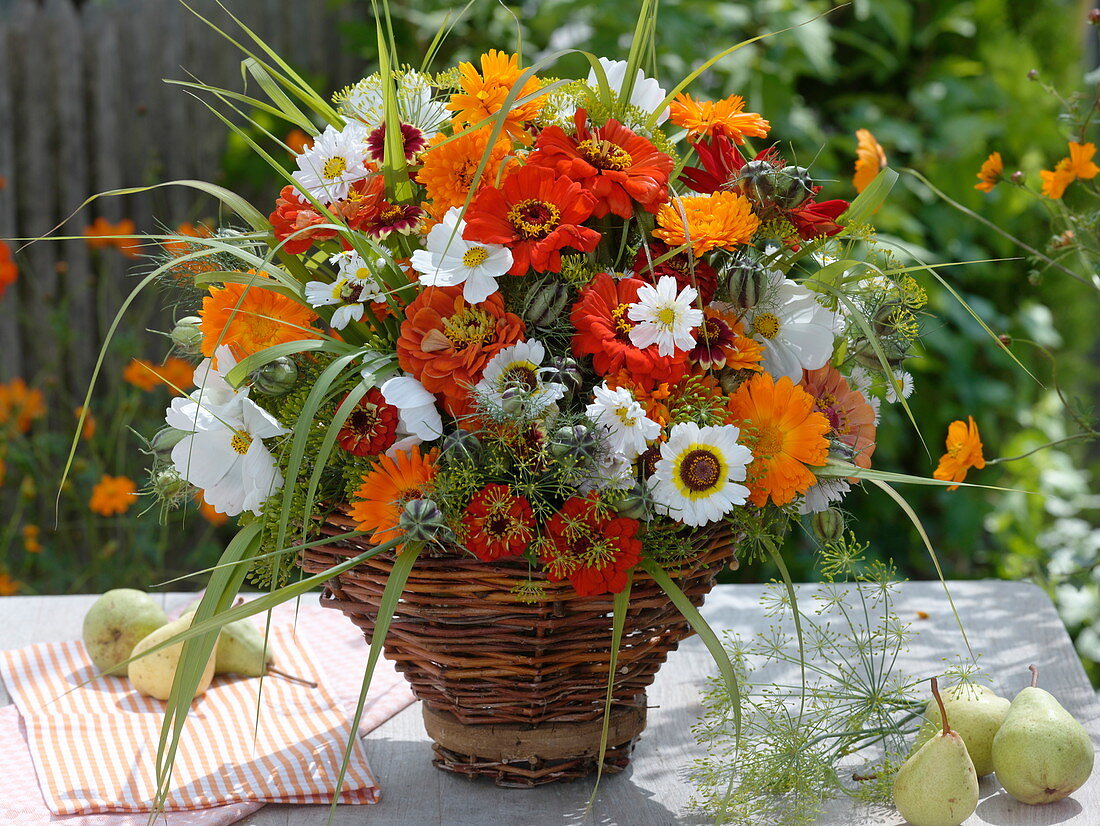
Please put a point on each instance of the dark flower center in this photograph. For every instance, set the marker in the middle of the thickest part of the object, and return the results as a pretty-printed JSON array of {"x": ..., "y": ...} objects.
[
  {"x": 700, "y": 470},
  {"x": 534, "y": 218}
]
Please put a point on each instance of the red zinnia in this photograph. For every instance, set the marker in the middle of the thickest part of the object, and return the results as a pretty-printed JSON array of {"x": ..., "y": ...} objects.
[
  {"x": 688, "y": 270},
  {"x": 497, "y": 523},
  {"x": 603, "y": 332},
  {"x": 590, "y": 546},
  {"x": 617, "y": 166},
  {"x": 293, "y": 217},
  {"x": 371, "y": 427},
  {"x": 536, "y": 214}
]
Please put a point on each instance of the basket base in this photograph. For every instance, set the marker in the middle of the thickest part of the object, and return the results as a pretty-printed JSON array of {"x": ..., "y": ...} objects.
[{"x": 520, "y": 756}]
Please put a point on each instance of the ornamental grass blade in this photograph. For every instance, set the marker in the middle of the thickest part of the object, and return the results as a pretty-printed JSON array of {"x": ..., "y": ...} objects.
[
  {"x": 788, "y": 583},
  {"x": 618, "y": 623},
  {"x": 870, "y": 199},
  {"x": 391, "y": 595}
]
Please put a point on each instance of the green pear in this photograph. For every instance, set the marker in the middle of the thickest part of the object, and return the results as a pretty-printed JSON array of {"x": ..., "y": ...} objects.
[
  {"x": 241, "y": 649},
  {"x": 976, "y": 714},
  {"x": 937, "y": 785},
  {"x": 153, "y": 674},
  {"x": 115, "y": 624},
  {"x": 1041, "y": 754}
]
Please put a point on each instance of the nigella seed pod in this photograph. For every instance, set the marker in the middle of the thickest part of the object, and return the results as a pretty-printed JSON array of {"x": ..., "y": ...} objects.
[
  {"x": 461, "y": 446},
  {"x": 170, "y": 487},
  {"x": 828, "y": 525},
  {"x": 793, "y": 185},
  {"x": 422, "y": 521},
  {"x": 866, "y": 356},
  {"x": 577, "y": 442},
  {"x": 512, "y": 400},
  {"x": 566, "y": 371},
  {"x": 745, "y": 283},
  {"x": 635, "y": 504},
  {"x": 883, "y": 320},
  {"x": 276, "y": 378},
  {"x": 546, "y": 302},
  {"x": 757, "y": 181},
  {"x": 187, "y": 335},
  {"x": 164, "y": 440}
]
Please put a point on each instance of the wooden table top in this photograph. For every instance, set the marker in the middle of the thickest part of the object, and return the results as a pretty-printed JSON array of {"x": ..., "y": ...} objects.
[{"x": 1010, "y": 624}]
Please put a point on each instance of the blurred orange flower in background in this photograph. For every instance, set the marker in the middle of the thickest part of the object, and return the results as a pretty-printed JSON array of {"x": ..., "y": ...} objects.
[
  {"x": 208, "y": 513},
  {"x": 30, "y": 535},
  {"x": 964, "y": 451},
  {"x": 20, "y": 405},
  {"x": 101, "y": 234},
  {"x": 112, "y": 495},
  {"x": 298, "y": 141},
  {"x": 87, "y": 430},
  {"x": 8, "y": 586},
  {"x": 9, "y": 272},
  {"x": 870, "y": 159},
  {"x": 991, "y": 172},
  {"x": 175, "y": 373},
  {"x": 250, "y": 319}
]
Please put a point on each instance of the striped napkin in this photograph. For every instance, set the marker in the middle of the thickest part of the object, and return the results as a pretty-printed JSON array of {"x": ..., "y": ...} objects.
[{"x": 93, "y": 748}]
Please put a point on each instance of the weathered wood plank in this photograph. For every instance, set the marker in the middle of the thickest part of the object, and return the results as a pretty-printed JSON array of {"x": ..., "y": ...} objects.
[{"x": 11, "y": 342}]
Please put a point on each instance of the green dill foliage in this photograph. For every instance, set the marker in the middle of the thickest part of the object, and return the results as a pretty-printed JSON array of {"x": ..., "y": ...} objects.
[{"x": 842, "y": 733}]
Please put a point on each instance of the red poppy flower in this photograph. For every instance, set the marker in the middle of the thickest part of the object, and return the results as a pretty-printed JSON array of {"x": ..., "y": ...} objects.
[
  {"x": 619, "y": 167},
  {"x": 372, "y": 426},
  {"x": 590, "y": 546},
  {"x": 688, "y": 270},
  {"x": 536, "y": 214},
  {"x": 497, "y": 523},
  {"x": 293, "y": 217}
]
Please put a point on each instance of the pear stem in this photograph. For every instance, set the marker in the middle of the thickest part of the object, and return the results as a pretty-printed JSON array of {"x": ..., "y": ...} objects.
[
  {"x": 939, "y": 701},
  {"x": 1034, "y": 675},
  {"x": 300, "y": 680}
]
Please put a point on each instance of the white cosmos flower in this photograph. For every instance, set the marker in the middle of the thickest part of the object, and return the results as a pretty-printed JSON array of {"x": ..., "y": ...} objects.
[
  {"x": 450, "y": 260},
  {"x": 623, "y": 420},
  {"x": 418, "y": 417},
  {"x": 350, "y": 296},
  {"x": 665, "y": 317},
  {"x": 696, "y": 478},
  {"x": 224, "y": 453},
  {"x": 899, "y": 387},
  {"x": 336, "y": 160},
  {"x": 796, "y": 331},
  {"x": 353, "y": 267},
  {"x": 821, "y": 495},
  {"x": 211, "y": 388},
  {"x": 519, "y": 366},
  {"x": 646, "y": 95}
]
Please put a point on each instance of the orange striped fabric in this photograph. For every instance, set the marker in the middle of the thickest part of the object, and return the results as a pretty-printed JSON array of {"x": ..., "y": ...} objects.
[{"x": 94, "y": 746}]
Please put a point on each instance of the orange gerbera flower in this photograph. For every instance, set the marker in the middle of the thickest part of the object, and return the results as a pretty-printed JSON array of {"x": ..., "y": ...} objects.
[
  {"x": 175, "y": 373},
  {"x": 448, "y": 169},
  {"x": 20, "y": 405},
  {"x": 102, "y": 233},
  {"x": 726, "y": 117},
  {"x": 964, "y": 451},
  {"x": 9, "y": 271},
  {"x": 112, "y": 495},
  {"x": 377, "y": 504},
  {"x": 446, "y": 342},
  {"x": 250, "y": 319},
  {"x": 991, "y": 172},
  {"x": 785, "y": 434},
  {"x": 870, "y": 159},
  {"x": 723, "y": 220},
  {"x": 483, "y": 94},
  {"x": 9, "y": 587}
]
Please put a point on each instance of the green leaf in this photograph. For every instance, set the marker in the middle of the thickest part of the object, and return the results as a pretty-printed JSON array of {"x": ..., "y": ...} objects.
[
  {"x": 870, "y": 199},
  {"x": 618, "y": 623}
]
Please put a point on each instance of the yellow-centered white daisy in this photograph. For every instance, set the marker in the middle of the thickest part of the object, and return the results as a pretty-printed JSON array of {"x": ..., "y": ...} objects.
[
  {"x": 795, "y": 330},
  {"x": 336, "y": 160},
  {"x": 518, "y": 369},
  {"x": 627, "y": 427},
  {"x": 696, "y": 479},
  {"x": 450, "y": 260},
  {"x": 665, "y": 317}
]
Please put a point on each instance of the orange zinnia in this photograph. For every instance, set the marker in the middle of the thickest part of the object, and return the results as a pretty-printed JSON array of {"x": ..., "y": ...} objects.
[
  {"x": 175, "y": 373},
  {"x": 991, "y": 172},
  {"x": 446, "y": 342},
  {"x": 964, "y": 451},
  {"x": 483, "y": 94},
  {"x": 377, "y": 504},
  {"x": 250, "y": 319},
  {"x": 112, "y": 495},
  {"x": 723, "y": 220},
  {"x": 448, "y": 168},
  {"x": 785, "y": 434},
  {"x": 870, "y": 159},
  {"x": 727, "y": 117},
  {"x": 9, "y": 272}
]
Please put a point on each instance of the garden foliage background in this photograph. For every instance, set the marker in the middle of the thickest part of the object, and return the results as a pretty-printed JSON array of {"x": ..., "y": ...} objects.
[{"x": 941, "y": 83}]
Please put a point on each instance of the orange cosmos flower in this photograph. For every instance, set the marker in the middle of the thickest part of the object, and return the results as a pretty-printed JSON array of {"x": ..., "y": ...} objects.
[
  {"x": 964, "y": 451},
  {"x": 175, "y": 373},
  {"x": 31, "y": 542},
  {"x": 9, "y": 587},
  {"x": 112, "y": 495},
  {"x": 101, "y": 233},
  {"x": 20, "y": 405},
  {"x": 250, "y": 319},
  {"x": 723, "y": 220},
  {"x": 9, "y": 271},
  {"x": 483, "y": 94},
  {"x": 991, "y": 172},
  {"x": 785, "y": 434},
  {"x": 726, "y": 117},
  {"x": 1078, "y": 165},
  {"x": 870, "y": 159},
  {"x": 87, "y": 430},
  {"x": 377, "y": 504},
  {"x": 1056, "y": 180},
  {"x": 448, "y": 168}
]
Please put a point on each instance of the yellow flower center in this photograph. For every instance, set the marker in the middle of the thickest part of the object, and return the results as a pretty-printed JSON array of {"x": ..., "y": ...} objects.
[
  {"x": 623, "y": 325},
  {"x": 604, "y": 154},
  {"x": 534, "y": 218},
  {"x": 390, "y": 214},
  {"x": 334, "y": 167},
  {"x": 768, "y": 443},
  {"x": 241, "y": 442},
  {"x": 766, "y": 325},
  {"x": 667, "y": 317},
  {"x": 363, "y": 273},
  {"x": 475, "y": 256},
  {"x": 625, "y": 417},
  {"x": 700, "y": 471},
  {"x": 469, "y": 326}
]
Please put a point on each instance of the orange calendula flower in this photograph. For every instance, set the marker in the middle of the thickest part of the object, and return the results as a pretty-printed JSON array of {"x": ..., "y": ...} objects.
[
  {"x": 726, "y": 117},
  {"x": 9, "y": 271},
  {"x": 870, "y": 159},
  {"x": 9, "y": 587},
  {"x": 990, "y": 174},
  {"x": 20, "y": 405},
  {"x": 964, "y": 451},
  {"x": 101, "y": 234},
  {"x": 377, "y": 504},
  {"x": 785, "y": 434},
  {"x": 448, "y": 169},
  {"x": 483, "y": 93},
  {"x": 112, "y": 495},
  {"x": 31, "y": 543},
  {"x": 723, "y": 220},
  {"x": 250, "y": 319},
  {"x": 176, "y": 374}
]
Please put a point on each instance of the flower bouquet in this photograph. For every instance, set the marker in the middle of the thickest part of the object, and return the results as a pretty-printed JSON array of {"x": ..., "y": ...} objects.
[{"x": 514, "y": 367}]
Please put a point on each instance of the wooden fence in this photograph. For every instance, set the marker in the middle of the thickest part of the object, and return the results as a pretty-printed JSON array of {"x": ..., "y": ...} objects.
[{"x": 83, "y": 109}]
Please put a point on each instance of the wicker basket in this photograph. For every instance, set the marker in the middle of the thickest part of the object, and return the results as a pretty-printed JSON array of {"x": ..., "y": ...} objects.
[{"x": 514, "y": 691}]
